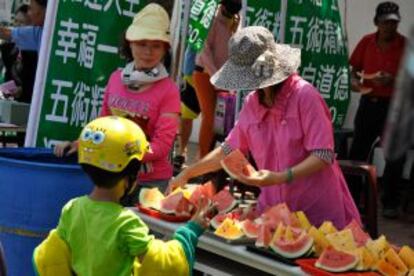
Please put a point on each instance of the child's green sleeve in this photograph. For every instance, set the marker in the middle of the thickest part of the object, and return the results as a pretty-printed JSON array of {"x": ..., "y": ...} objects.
[{"x": 188, "y": 237}]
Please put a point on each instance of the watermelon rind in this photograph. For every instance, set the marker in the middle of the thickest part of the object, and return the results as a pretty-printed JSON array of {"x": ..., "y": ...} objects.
[
  {"x": 167, "y": 211},
  {"x": 339, "y": 267},
  {"x": 229, "y": 205},
  {"x": 246, "y": 231},
  {"x": 155, "y": 203},
  {"x": 230, "y": 172},
  {"x": 217, "y": 220},
  {"x": 278, "y": 246},
  {"x": 174, "y": 210},
  {"x": 229, "y": 208}
]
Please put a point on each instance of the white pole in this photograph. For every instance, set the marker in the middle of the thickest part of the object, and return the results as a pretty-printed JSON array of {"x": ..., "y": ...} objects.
[
  {"x": 182, "y": 28},
  {"x": 283, "y": 16}
]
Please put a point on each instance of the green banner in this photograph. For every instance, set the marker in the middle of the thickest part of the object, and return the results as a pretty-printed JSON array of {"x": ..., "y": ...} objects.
[
  {"x": 202, "y": 13},
  {"x": 315, "y": 26},
  {"x": 83, "y": 54},
  {"x": 266, "y": 14}
]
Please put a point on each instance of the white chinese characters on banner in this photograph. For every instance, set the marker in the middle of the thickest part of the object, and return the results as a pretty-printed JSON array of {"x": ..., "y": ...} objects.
[
  {"x": 85, "y": 108},
  {"x": 317, "y": 3},
  {"x": 314, "y": 35},
  {"x": 325, "y": 80},
  {"x": 196, "y": 9},
  {"x": 322, "y": 34},
  {"x": 60, "y": 102},
  {"x": 266, "y": 18},
  {"x": 78, "y": 42},
  {"x": 209, "y": 14},
  {"x": 327, "y": 77},
  {"x": 103, "y": 6},
  {"x": 297, "y": 31},
  {"x": 85, "y": 105},
  {"x": 342, "y": 84}
]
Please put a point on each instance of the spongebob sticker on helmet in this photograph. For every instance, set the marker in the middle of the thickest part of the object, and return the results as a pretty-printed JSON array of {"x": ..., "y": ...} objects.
[{"x": 132, "y": 148}]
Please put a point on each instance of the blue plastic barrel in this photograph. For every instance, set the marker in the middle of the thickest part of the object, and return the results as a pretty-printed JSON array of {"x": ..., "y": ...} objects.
[{"x": 34, "y": 186}]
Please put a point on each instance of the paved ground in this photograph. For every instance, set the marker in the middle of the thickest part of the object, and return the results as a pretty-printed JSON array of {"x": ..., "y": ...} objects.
[{"x": 399, "y": 231}]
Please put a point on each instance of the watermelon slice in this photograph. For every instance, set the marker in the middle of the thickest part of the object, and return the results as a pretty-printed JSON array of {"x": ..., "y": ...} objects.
[
  {"x": 391, "y": 264},
  {"x": 378, "y": 247},
  {"x": 151, "y": 198},
  {"x": 224, "y": 201},
  {"x": 366, "y": 260},
  {"x": 265, "y": 236},
  {"x": 177, "y": 204},
  {"x": 218, "y": 219},
  {"x": 327, "y": 227},
  {"x": 236, "y": 164},
  {"x": 298, "y": 245},
  {"x": 207, "y": 189},
  {"x": 230, "y": 229},
  {"x": 235, "y": 214},
  {"x": 303, "y": 220},
  {"x": 342, "y": 240},
  {"x": 280, "y": 213},
  {"x": 407, "y": 255},
  {"x": 336, "y": 261},
  {"x": 360, "y": 237},
  {"x": 250, "y": 228},
  {"x": 320, "y": 241},
  {"x": 367, "y": 76}
]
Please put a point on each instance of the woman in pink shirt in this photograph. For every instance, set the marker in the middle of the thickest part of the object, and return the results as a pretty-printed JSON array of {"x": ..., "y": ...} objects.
[
  {"x": 143, "y": 92},
  {"x": 286, "y": 127}
]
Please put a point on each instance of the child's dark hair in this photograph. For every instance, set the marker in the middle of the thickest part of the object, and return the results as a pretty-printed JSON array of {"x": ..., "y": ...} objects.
[
  {"x": 106, "y": 179},
  {"x": 23, "y": 9},
  {"x": 42, "y": 3}
]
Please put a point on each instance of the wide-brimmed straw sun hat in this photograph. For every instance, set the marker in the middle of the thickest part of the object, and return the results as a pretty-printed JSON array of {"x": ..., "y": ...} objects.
[
  {"x": 150, "y": 23},
  {"x": 256, "y": 61}
]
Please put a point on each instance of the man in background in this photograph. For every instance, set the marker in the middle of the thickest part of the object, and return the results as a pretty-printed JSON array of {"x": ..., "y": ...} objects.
[{"x": 375, "y": 63}]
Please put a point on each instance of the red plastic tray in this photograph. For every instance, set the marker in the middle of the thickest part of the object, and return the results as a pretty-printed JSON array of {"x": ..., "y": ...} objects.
[
  {"x": 308, "y": 265},
  {"x": 159, "y": 215}
]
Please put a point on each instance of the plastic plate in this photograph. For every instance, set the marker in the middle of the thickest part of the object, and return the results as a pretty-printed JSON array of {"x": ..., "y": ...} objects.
[
  {"x": 270, "y": 254},
  {"x": 308, "y": 265},
  {"x": 159, "y": 215},
  {"x": 241, "y": 241}
]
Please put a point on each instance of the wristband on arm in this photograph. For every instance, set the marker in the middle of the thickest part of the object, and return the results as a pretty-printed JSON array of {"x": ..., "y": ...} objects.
[{"x": 289, "y": 175}]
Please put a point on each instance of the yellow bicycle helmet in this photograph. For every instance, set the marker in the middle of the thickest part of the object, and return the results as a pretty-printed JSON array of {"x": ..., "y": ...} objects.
[{"x": 111, "y": 142}]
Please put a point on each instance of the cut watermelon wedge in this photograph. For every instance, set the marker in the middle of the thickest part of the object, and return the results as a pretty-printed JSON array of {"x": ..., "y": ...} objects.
[
  {"x": 177, "y": 204},
  {"x": 295, "y": 248},
  {"x": 224, "y": 201},
  {"x": 218, "y": 220},
  {"x": 264, "y": 237},
  {"x": 151, "y": 198},
  {"x": 336, "y": 261},
  {"x": 308, "y": 265},
  {"x": 236, "y": 164},
  {"x": 360, "y": 237},
  {"x": 279, "y": 213},
  {"x": 250, "y": 228},
  {"x": 207, "y": 190},
  {"x": 367, "y": 76}
]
